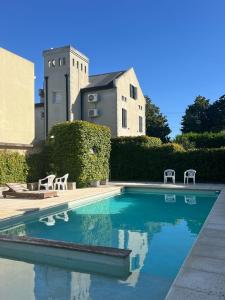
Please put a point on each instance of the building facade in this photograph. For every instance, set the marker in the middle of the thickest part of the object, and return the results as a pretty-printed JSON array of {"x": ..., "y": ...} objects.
[
  {"x": 16, "y": 101},
  {"x": 112, "y": 99}
]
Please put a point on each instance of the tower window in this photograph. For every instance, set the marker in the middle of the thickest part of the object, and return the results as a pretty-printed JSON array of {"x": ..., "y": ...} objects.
[
  {"x": 77, "y": 64},
  {"x": 85, "y": 69},
  {"x": 73, "y": 62},
  {"x": 140, "y": 120},
  {"x": 81, "y": 67},
  {"x": 124, "y": 118},
  {"x": 64, "y": 61},
  {"x": 60, "y": 61},
  {"x": 53, "y": 62},
  {"x": 133, "y": 92},
  {"x": 57, "y": 97},
  {"x": 49, "y": 64}
]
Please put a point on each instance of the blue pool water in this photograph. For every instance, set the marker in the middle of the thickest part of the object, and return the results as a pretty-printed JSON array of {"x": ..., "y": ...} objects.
[{"x": 159, "y": 226}]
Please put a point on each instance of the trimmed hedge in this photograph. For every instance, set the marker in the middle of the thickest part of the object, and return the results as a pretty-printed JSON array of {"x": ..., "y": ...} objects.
[
  {"x": 201, "y": 140},
  {"x": 81, "y": 149},
  {"x": 143, "y": 140},
  {"x": 13, "y": 167},
  {"x": 140, "y": 163},
  {"x": 39, "y": 164}
]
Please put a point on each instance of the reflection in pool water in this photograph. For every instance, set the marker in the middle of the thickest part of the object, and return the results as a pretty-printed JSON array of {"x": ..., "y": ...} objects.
[{"x": 159, "y": 233}]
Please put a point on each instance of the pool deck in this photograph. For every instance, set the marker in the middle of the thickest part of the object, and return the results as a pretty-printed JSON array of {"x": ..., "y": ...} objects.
[{"x": 202, "y": 275}]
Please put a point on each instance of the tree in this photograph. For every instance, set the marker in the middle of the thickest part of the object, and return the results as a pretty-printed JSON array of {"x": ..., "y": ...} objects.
[
  {"x": 156, "y": 122},
  {"x": 196, "y": 116},
  {"x": 216, "y": 115}
]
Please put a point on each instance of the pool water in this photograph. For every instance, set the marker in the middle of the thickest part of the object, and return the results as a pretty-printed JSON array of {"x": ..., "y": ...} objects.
[{"x": 159, "y": 226}]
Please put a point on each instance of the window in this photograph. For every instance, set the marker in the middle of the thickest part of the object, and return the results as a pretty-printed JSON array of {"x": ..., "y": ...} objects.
[
  {"x": 57, "y": 97},
  {"x": 42, "y": 115},
  {"x": 124, "y": 98},
  {"x": 64, "y": 61},
  {"x": 140, "y": 124},
  {"x": 85, "y": 69},
  {"x": 49, "y": 64},
  {"x": 124, "y": 118},
  {"x": 60, "y": 61},
  {"x": 77, "y": 64},
  {"x": 81, "y": 67},
  {"x": 133, "y": 92},
  {"x": 53, "y": 62},
  {"x": 73, "y": 62}
]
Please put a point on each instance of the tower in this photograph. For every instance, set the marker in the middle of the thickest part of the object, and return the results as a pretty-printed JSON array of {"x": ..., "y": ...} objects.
[{"x": 66, "y": 72}]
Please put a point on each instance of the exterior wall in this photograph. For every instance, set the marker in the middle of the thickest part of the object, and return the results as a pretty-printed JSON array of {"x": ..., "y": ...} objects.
[
  {"x": 39, "y": 123},
  {"x": 77, "y": 78},
  {"x": 134, "y": 107},
  {"x": 16, "y": 99},
  {"x": 107, "y": 106}
]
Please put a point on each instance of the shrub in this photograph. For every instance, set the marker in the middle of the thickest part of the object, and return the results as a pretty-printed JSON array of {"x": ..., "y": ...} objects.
[
  {"x": 201, "y": 140},
  {"x": 13, "y": 167},
  {"x": 81, "y": 149},
  {"x": 148, "y": 164},
  {"x": 39, "y": 164},
  {"x": 143, "y": 140}
]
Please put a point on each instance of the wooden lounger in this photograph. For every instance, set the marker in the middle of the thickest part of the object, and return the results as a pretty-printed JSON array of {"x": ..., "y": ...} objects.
[{"x": 19, "y": 191}]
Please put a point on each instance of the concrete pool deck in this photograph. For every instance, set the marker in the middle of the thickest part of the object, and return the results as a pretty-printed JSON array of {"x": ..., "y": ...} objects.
[{"x": 202, "y": 275}]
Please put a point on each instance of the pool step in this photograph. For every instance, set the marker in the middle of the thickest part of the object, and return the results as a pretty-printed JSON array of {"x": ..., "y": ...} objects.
[{"x": 79, "y": 258}]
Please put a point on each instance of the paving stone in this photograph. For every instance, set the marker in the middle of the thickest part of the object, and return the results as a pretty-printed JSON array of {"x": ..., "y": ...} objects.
[
  {"x": 209, "y": 251},
  {"x": 179, "y": 293},
  {"x": 206, "y": 282},
  {"x": 206, "y": 264}
]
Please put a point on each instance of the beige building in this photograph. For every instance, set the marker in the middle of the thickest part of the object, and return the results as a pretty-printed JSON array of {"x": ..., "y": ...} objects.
[
  {"x": 16, "y": 101},
  {"x": 112, "y": 99}
]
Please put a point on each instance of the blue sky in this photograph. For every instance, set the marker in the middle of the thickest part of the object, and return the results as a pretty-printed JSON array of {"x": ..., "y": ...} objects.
[{"x": 177, "y": 47}]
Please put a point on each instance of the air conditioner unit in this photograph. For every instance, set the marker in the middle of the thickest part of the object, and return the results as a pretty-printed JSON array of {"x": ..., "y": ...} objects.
[
  {"x": 92, "y": 97},
  {"x": 93, "y": 113}
]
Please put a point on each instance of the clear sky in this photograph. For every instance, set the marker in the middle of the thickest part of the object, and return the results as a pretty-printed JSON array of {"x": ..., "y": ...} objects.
[{"x": 177, "y": 47}]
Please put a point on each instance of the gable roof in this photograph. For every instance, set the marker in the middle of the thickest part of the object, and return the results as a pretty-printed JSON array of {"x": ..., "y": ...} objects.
[{"x": 101, "y": 81}]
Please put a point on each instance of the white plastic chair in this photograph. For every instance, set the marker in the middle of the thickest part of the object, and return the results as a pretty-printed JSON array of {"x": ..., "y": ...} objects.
[
  {"x": 61, "y": 182},
  {"x": 46, "y": 183},
  {"x": 189, "y": 174},
  {"x": 169, "y": 173},
  {"x": 189, "y": 199}
]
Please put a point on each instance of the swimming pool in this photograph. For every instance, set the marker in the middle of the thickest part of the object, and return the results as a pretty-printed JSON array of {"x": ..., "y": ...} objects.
[{"x": 159, "y": 226}]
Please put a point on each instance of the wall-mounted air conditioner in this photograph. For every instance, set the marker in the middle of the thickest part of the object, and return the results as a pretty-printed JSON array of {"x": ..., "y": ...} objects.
[
  {"x": 92, "y": 113},
  {"x": 92, "y": 97}
]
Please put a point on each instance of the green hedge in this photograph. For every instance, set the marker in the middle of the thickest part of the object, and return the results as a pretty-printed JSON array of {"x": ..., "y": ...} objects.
[
  {"x": 39, "y": 164},
  {"x": 13, "y": 167},
  {"x": 201, "y": 140},
  {"x": 148, "y": 164},
  {"x": 81, "y": 149},
  {"x": 146, "y": 141}
]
